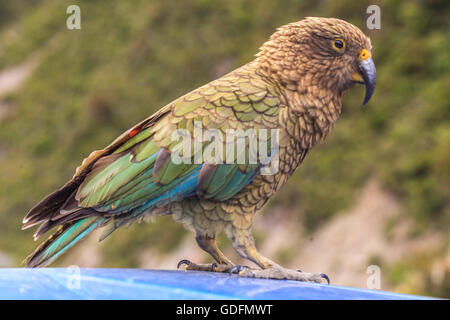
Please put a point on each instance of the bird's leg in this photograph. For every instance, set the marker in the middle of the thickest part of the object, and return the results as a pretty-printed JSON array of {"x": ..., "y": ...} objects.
[
  {"x": 244, "y": 244},
  {"x": 209, "y": 245}
]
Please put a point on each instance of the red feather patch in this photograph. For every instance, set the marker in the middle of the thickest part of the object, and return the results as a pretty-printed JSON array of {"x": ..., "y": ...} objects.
[{"x": 133, "y": 132}]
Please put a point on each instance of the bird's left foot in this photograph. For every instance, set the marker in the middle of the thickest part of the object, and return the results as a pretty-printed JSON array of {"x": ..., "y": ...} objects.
[
  {"x": 211, "y": 267},
  {"x": 281, "y": 274}
]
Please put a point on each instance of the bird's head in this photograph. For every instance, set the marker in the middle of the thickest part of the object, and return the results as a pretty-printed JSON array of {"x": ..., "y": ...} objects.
[{"x": 323, "y": 54}]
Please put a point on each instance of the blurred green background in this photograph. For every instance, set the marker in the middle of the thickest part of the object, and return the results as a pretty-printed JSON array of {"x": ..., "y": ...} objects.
[{"x": 375, "y": 193}]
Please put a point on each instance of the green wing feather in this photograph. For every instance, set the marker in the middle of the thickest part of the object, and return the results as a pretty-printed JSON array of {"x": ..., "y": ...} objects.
[
  {"x": 240, "y": 100},
  {"x": 135, "y": 173}
]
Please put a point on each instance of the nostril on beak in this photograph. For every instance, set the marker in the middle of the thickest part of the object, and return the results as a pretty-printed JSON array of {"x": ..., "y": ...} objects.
[{"x": 364, "y": 54}]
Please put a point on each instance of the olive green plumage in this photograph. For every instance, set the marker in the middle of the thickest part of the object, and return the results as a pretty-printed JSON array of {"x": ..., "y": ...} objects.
[{"x": 135, "y": 176}]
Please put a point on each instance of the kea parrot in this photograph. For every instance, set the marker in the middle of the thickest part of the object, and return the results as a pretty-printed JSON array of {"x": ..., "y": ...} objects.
[{"x": 294, "y": 85}]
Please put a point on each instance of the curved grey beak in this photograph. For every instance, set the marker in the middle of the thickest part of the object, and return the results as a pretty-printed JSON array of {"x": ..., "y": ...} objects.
[{"x": 369, "y": 75}]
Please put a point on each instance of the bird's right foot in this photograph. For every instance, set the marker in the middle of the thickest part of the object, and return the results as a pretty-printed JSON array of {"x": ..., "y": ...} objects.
[
  {"x": 211, "y": 267},
  {"x": 279, "y": 273}
]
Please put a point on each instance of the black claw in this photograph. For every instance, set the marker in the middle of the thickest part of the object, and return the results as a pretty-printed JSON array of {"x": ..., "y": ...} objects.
[
  {"x": 237, "y": 269},
  {"x": 184, "y": 261},
  {"x": 233, "y": 269},
  {"x": 213, "y": 267},
  {"x": 324, "y": 276}
]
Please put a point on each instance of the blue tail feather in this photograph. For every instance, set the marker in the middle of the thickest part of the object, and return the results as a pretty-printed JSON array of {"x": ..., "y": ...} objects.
[{"x": 62, "y": 240}]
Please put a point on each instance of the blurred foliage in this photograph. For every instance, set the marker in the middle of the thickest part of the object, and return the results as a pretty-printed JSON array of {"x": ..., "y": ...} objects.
[{"x": 132, "y": 57}]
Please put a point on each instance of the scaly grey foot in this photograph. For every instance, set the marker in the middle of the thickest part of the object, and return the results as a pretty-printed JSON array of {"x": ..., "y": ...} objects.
[
  {"x": 211, "y": 267},
  {"x": 281, "y": 274}
]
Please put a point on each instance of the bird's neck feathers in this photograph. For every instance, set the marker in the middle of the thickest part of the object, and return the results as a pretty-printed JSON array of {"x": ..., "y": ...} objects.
[{"x": 306, "y": 92}]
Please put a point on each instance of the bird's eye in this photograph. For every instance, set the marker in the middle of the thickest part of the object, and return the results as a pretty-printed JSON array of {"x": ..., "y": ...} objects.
[{"x": 338, "y": 45}]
